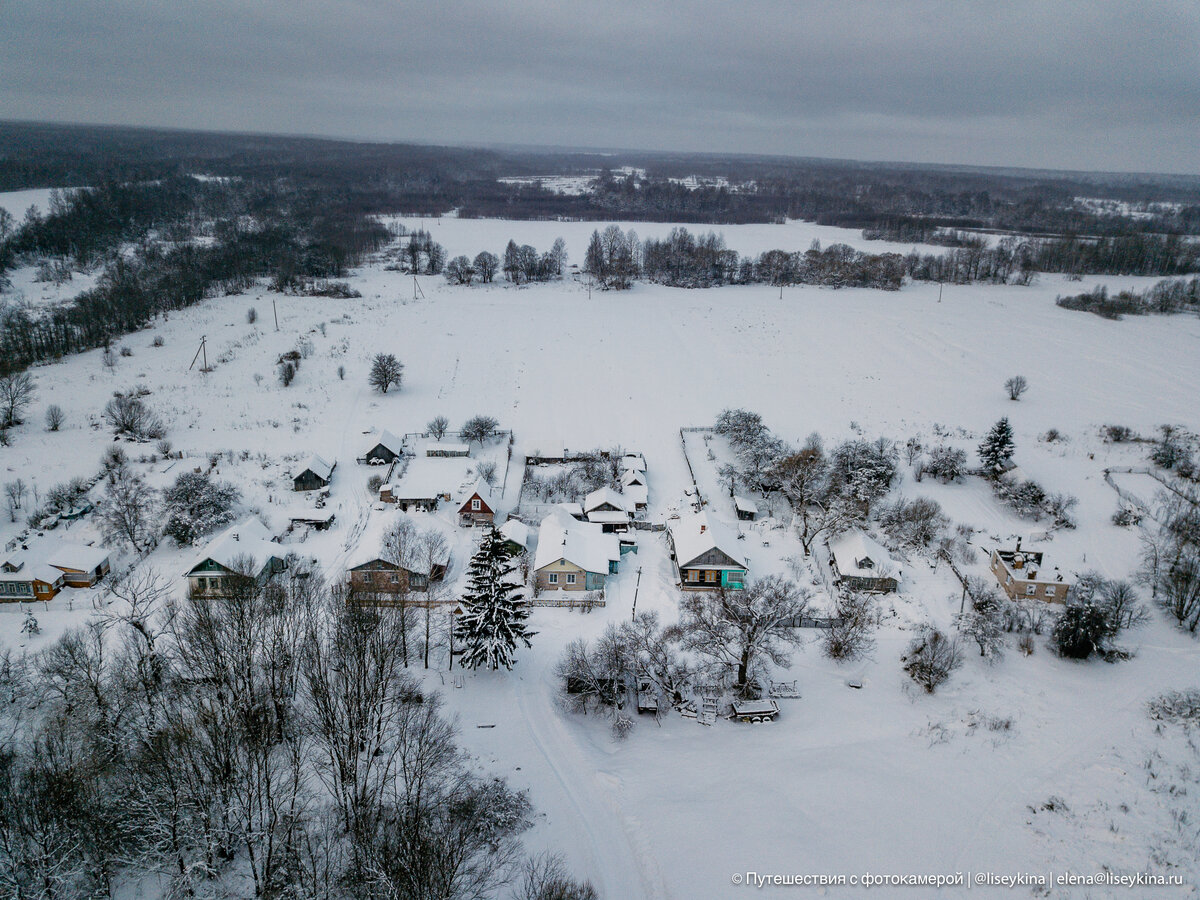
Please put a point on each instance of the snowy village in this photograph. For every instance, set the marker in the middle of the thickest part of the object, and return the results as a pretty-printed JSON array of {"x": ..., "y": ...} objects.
[{"x": 410, "y": 495}]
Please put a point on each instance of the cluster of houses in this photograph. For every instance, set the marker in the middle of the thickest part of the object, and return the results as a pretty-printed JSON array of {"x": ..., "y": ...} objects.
[{"x": 41, "y": 571}]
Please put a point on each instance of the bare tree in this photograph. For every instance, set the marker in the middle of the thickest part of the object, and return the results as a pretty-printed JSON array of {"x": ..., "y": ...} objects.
[
  {"x": 54, "y": 417},
  {"x": 931, "y": 658},
  {"x": 438, "y": 426},
  {"x": 544, "y": 877},
  {"x": 17, "y": 391},
  {"x": 128, "y": 510},
  {"x": 1016, "y": 386},
  {"x": 850, "y": 634},
  {"x": 740, "y": 628},
  {"x": 386, "y": 371},
  {"x": 14, "y": 493},
  {"x": 486, "y": 469},
  {"x": 478, "y": 429}
]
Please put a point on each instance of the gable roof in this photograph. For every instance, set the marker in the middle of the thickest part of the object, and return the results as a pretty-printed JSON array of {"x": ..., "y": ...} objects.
[
  {"x": 248, "y": 538},
  {"x": 317, "y": 466},
  {"x": 426, "y": 477},
  {"x": 480, "y": 489},
  {"x": 858, "y": 555},
  {"x": 603, "y": 495},
  {"x": 694, "y": 534},
  {"x": 33, "y": 572},
  {"x": 633, "y": 476},
  {"x": 388, "y": 441},
  {"x": 581, "y": 543}
]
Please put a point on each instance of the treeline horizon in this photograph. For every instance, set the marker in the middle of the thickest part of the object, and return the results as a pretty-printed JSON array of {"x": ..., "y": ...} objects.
[{"x": 414, "y": 179}]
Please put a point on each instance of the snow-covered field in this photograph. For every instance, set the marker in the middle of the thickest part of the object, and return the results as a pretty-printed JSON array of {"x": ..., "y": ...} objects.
[{"x": 881, "y": 779}]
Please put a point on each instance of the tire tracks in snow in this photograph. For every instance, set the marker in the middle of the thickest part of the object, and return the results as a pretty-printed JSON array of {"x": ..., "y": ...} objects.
[{"x": 625, "y": 869}]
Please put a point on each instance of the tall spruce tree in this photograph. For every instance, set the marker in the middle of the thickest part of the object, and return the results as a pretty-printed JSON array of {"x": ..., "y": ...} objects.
[
  {"x": 997, "y": 448},
  {"x": 494, "y": 608}
]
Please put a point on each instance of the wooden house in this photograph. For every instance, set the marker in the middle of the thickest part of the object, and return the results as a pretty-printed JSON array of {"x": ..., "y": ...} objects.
[
  {"x": 634, "y": 489},
  {"x": 706, "y": 554},
  {"x": 608, "y": 509},
  {"x": 24, "y": 582},
  {"x": 477, "y": 506},
  {"x": 860, "y": 563},
  {"x": 243, "y": 550},
  {"x": 381, "y": 576},
  {"x": 315, "y": 474}
]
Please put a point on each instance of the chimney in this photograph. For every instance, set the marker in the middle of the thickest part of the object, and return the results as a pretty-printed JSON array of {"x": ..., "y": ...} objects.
[
  {"x": 1018, "y": 545},
  {"x": 703, "y": 527}
]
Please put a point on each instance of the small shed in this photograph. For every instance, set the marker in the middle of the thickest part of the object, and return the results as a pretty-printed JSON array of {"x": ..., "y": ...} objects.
[
  {"x": 747, "y": 509},
  {"x": 315, "y": 474},
  {"x": 518, "y": 537}
]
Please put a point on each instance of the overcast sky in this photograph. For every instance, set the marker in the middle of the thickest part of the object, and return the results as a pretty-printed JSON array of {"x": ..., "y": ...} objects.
[{"x": 1075, "y": 84}]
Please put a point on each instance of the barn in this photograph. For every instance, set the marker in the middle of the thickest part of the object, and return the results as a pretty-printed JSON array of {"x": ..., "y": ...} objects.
[{"x": 315, "y": 474}]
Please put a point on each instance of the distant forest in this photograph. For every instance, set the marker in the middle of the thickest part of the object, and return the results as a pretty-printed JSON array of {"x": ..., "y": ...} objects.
[{"x": 300, "y": 212}]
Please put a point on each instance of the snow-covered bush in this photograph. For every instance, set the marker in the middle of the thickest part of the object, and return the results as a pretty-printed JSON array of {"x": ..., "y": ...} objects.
[{"x": 196, "y": 505}]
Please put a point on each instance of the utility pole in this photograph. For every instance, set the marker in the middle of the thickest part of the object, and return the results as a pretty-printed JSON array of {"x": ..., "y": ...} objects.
[
  {"x": 201, "y": 350},
  {"x": 417, "y": 289},
  {"x": 637, "y": 585},
  {"x": 276, "y": 312}
]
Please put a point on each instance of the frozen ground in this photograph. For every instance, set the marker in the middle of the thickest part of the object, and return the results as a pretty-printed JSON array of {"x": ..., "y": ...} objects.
[{"x": 878, "y": 779}]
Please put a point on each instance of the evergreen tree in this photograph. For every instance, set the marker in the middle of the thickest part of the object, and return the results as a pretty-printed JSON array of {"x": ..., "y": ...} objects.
[
  {"x": 997, "y": 448},
  {"x": 195, "y": 505},
  {"x": 494, "y": 608}
]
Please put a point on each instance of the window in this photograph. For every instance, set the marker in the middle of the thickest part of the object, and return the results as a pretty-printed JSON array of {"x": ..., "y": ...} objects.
[
  {"x": 1030, "y": 590},
  {"x": 1051, "y": 590},
  {"x": 710, "y": 576},
  {"x": 1009, "y": 580},
  {"x": 475, "y": 504},
  {"x": 693, "y": 575},
  {"x": 552, "y": 578},
  {"x": 43, "y": 588},
  {"x": 734, "y": 579},
  {"x": 570, "y": 578},
  {"x": 395, "y": 578}
]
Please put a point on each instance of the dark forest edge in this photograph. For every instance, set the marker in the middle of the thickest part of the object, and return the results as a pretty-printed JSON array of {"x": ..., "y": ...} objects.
[{"x": 303, "y": 212}]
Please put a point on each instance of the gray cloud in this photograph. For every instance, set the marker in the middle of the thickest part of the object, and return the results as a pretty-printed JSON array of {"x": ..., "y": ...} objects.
[{"x": 1109, "y": 85}]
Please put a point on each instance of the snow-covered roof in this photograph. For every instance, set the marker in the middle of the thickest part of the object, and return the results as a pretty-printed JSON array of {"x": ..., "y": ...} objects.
[
  {"x": 248, "y": 538},
  {"x": 516, "y": 531},
  {"x": 694, "y": 534},
  {"x": 608, "y": 516},
  {"x": 603, "y": 495},
  {"x": 581, "y": 543},
  {"x": 480, "y": 487},
  {"x": 387, "y": 440},
  {"x": 633, "y": 461},
  {"x": 32, "y": 571},
  {"x": 571, "y": 509},
  {"x": 77, "y": 557},
  {"x": 633, "y": 476},
  {"x": 311, "y": 515},
  {"x": 858, "y": 555},
  {"x": 430, "y": 476},
  {"x": 745, "y": 504},
  {"x": 413, "y": 557},
  {"x": 636, "y": 494},
  {"x": 318, "y": 467}
]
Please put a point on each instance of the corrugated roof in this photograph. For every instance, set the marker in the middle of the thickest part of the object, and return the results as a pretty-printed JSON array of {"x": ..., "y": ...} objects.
[{"x": 694, "y": 534}]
